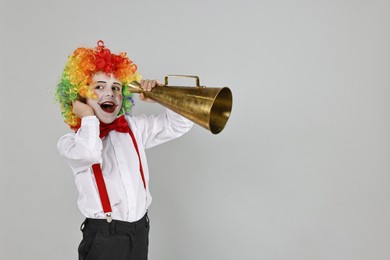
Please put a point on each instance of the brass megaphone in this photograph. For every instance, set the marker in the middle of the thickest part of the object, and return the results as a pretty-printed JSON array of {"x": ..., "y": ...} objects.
[{"x": 207, "y": 107}]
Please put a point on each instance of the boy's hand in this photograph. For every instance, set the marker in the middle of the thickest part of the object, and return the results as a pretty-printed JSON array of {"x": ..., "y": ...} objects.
[
  {"x": 81, "y": 109},
  {"x": 148, "y": 85}
]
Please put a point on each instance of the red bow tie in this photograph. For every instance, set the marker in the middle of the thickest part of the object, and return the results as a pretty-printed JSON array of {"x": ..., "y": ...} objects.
[{"x": 119, "y": 124}]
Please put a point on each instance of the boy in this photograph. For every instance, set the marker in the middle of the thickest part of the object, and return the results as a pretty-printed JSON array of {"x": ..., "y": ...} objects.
[{"x": 106, "y": 152}]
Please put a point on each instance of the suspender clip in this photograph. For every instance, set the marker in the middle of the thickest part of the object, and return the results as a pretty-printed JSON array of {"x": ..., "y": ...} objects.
[{"x": 109, "y": 217}]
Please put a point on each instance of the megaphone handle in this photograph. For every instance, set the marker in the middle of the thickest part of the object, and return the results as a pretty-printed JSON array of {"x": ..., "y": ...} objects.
[{"x": 182, "y": 76}]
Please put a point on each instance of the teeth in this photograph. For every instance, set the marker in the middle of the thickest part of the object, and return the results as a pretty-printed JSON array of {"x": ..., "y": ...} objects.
[{"x": 108, "y": 103}]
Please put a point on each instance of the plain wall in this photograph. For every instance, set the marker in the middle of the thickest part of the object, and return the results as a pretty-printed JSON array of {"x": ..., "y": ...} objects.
[{"x": 301, "y": 170}]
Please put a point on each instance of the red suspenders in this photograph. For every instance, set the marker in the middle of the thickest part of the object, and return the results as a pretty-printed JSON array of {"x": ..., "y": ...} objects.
[{"x": 97, "y": 171}]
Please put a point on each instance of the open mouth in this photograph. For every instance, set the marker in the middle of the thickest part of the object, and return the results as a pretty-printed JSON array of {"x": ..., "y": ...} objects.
[{"x": 108, "y": 106}]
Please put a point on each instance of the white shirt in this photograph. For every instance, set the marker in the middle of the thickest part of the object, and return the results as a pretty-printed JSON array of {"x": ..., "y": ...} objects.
[{"x": 119, "y": 162}]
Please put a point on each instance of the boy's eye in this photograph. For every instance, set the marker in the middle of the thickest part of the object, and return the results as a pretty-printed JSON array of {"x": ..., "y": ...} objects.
[
  {"x": 99, "y": 87},
  {"x": 116, "y": 88}
]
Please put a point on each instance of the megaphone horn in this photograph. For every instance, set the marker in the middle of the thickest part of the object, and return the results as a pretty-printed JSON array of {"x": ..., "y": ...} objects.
[{"x": 207, "y": 107}]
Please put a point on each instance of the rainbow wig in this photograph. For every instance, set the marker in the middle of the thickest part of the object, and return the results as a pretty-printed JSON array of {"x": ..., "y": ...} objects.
[{"x": 78, "y": 73}]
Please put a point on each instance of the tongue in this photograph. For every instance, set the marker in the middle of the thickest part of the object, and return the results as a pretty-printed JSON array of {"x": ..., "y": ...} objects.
[{"x": 108, "y": 108}]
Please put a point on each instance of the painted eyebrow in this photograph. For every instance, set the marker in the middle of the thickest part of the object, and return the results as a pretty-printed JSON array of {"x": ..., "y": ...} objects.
[{"x": 116, "y": 83}]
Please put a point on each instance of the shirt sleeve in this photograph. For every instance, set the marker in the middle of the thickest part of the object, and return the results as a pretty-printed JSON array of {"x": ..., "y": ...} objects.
[
  {"x": 155, "y": 130},
  {"x": 83, "y": 148}
]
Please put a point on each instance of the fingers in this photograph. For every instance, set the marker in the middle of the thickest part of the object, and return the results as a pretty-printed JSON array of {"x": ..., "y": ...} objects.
[
  {"x": 159, "y": 83},
  {"x": 148, "y": 85},
  {"x": 81, "y": 109}
]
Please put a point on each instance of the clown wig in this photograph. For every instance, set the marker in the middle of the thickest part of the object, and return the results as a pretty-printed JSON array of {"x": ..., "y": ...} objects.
[{"x": 78, "y": 73}]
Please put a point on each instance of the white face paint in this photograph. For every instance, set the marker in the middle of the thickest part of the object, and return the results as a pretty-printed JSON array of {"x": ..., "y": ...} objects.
[{"x": 108, "y": 91}]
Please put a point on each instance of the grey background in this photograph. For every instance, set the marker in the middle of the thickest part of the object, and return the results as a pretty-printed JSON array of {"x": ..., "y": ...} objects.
[{"x": 301, "y": 170}]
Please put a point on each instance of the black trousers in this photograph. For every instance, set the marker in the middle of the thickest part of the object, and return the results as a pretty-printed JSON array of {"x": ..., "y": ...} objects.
[{"x": 118, "y": 240}]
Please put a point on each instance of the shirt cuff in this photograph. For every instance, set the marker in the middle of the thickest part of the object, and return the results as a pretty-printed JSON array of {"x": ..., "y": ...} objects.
[{"x": 89, "y": 121}]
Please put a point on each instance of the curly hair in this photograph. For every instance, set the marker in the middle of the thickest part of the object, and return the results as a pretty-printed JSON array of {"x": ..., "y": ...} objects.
[{"x": 77, "y": 76}]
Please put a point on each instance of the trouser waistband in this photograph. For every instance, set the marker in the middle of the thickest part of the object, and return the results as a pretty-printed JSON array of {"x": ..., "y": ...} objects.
[{"x": 116, "y": 226}]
